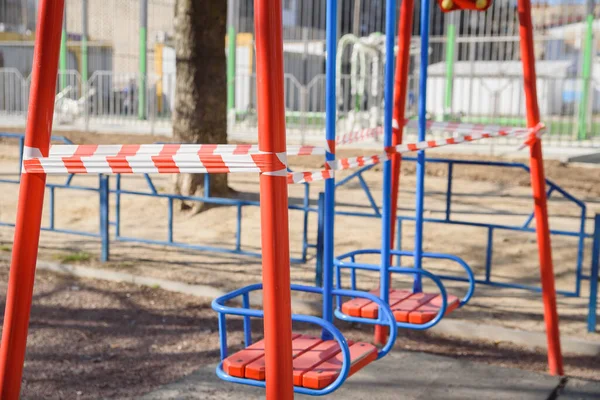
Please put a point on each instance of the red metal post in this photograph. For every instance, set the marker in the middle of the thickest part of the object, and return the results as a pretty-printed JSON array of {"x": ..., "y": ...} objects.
[
  {"x": 274, "y": 202},
  {"x": 401, "y": 84},
  {"x": 538, "y": 184},
  {"x": 31, "y": 199}
]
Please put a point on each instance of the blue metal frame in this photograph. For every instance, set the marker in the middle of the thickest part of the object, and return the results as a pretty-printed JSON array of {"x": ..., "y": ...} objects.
[
  {"x": 386, "y": 234},
  {"x": 593, "y": 304},
  {"x": 239, "y": 204},
  {"x": 330, "y": 120},
  {"x": 420, "y": 172},
  {"x": 491, "y": 228},
  {"x": 220, "y": 306},
  {"x": 104, "y": 191}
]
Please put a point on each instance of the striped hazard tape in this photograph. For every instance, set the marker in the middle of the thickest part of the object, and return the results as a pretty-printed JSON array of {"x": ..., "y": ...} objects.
[
  {"x": 362, "y": 161},
  {"x": 413, "y": 124},
  {"x": 189, "y": 158}
]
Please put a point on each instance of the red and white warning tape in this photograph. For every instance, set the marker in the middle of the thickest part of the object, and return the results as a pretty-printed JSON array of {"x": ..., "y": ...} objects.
[
  {"x": 413, "y": 124},
  {"x": 170, "y": 149},
  {"x": 190, "y": 158},
  {"x": 354, "y": 162}
]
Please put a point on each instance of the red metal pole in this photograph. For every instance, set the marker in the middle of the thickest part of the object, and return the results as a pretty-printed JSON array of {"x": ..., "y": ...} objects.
[
  {"x": 401, "y": 84},
  {"x": 274, "y": 202},
  {"x": 538, "y": 184},
  {"x": 31, "y": 199}
]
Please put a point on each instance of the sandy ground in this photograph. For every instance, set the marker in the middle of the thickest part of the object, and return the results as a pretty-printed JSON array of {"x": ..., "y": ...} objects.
[
  {"x": 92, "y": 339},
  {"x": 481, "y": 195}
]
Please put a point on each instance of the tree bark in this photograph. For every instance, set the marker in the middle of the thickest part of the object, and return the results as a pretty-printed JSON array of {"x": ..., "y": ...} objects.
[{"x": 200, "y": 114}]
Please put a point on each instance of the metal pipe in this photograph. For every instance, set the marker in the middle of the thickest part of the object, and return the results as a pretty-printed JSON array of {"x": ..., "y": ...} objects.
[
  {"x": 593, "y": 305},
  {"x": 538, "y": 183},
  {"x": 104, "y": 218},
  {"x": 274, "y": 202},
  {"x": 420, "y": 173},
  {"x": 143, "y": 59},
  {"x": 586, "y": 72},
  {"x": 450, "y": 58},
  {"x": 330, "y": 121},
  {"x": 31, "y": 198}
]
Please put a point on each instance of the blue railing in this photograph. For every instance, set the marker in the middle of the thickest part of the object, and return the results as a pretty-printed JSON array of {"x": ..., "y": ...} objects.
[
  {"x": 488, "y": 279},
  {"x": 52, "y": 188},
  {"x": 105, "y": 191},
  {"x": 237, "y": 248}
]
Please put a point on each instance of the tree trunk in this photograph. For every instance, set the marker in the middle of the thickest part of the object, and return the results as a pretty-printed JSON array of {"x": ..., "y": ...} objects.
[{"x": 200, "y": 115}]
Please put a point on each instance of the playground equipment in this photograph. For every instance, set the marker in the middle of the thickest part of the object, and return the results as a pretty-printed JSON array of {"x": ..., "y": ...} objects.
[
  {"x": 291, "y": 362},
  {"x": 367, "y": 56}
]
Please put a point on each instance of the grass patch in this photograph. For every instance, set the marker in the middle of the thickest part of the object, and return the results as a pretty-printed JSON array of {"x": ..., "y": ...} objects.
[
  {"x": 80, "y": 256},
  {"x": 5, "y": 249}
]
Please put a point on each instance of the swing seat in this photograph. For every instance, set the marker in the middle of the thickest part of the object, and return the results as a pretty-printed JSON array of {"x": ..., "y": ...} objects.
[
  {"x": 454, "y": 5},
  {"x": 408, "y": 307},
  {"x": 316, "y": 363}
]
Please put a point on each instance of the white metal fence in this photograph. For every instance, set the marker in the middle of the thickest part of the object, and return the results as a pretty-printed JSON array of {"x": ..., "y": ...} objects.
[{"x": 109, "y": 101}]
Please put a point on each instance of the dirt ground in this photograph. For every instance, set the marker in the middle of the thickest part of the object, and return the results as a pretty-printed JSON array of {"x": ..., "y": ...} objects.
[
  {"x": 92, "y": 339},
  {"x": 480, "y": 195}
]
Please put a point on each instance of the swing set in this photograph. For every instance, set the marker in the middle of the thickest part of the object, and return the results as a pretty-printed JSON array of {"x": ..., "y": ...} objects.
[{"x": 283, "y": 362}]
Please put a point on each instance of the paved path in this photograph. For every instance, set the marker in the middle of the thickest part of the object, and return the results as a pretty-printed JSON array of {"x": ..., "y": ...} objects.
[{"x": 406, "y": 376}]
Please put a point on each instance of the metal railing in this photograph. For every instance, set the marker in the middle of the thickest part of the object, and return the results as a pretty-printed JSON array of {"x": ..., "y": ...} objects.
[
  {"x": 105, "y": 191},
  {"x": 488, "y": 279},
  {"x": 109, "y": 101}
]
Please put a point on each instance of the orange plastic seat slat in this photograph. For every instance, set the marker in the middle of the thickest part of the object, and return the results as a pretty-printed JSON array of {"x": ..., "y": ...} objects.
[
  {"x": 235, "y": 364},
  {"x": 313, "y": 357},
  {"x": 372, "y": 310},
  {"x": 361, "y": 354},
  {"x": 402, "y": 309},
  {"x": 353, "y": 307},
  {"x": 428, "y": 311},
  {"x": 256, "y": 369}
]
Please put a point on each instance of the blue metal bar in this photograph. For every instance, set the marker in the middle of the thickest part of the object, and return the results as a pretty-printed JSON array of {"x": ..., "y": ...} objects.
[
  {"x": 330, "y": 120},
  {"x": 118, "y": 206},
  {"x": 65, "y": 231},
  {"x": 306, "y": 205},
  {"x": 354, "y": 175},
  {"x": 69, "y": 180},
  {"x": 223, "y": 336},
  {"x": 320, "y": 228},
  {"x": 399, "y": 242},
  {"x": 467, "y": 223},
  {"x": 530, "y": 217},
  {"x": 150, "y": 184},
  {"x": 580, "y": 249},
  {"x": 170, "y": 221},
  {"x": 365, "y": 187},
  {"x": 51, "y": 225},
  {"x": 238, "y": 228},
  {"x": 449, "y": 191},
  {"x": 206, "y": 185},
  {"x": 489, "y": 254},
  {"x": 247, "y": 321},
  {"x": 593, "y": 305},
  {"x": 104, "y": 217},
  {"x": 386, "y": 235},
  {"x": 420, "y": 186}
]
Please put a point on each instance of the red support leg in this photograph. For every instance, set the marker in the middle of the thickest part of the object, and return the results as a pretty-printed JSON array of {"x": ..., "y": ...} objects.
[
  {"x": 400, "y": 88},
  {"x": 31, "y": 199},
  {"x": 538, "y": 184},
  {"x": 274, "y": 202}
]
